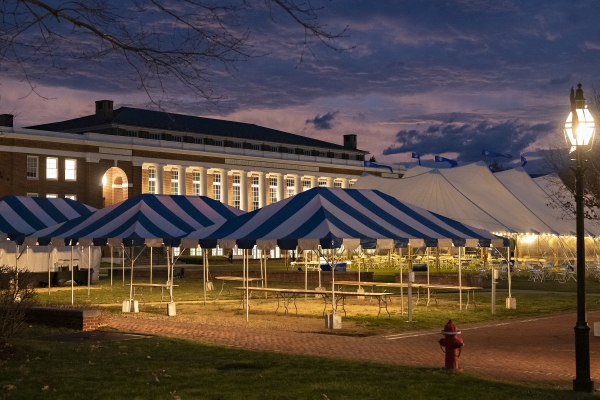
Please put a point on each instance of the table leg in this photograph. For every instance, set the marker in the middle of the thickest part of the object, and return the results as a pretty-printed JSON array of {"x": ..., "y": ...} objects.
[
  {"x": 383, "y": 300},
  {"x": 294, "y": 300},
  {"x": 222, "y": 287}
]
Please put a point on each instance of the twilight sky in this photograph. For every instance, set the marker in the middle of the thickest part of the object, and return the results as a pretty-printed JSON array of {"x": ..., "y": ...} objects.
[{"x": 432, "y": 77}]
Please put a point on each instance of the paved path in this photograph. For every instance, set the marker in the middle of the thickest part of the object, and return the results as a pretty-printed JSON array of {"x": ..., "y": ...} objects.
[{"x": 538, "y": 350}]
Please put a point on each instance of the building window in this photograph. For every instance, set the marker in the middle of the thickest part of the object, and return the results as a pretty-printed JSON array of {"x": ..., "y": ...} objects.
[
  {"x": 152, "y": 180},
  {"x": 32, "y": 167},
  {"x": 196, "y": 251},
  {"x": 52, "y": 168},
  {"x": 237, "y": 145},
  {"x": 218, "y": 143},
  {"x": 177, "y": 138},
  {"x": 255, "y": 203},
  {"x": 322, "y": 183},
  {"x": 132, "y": 133},
  {"x": 217, "y": 186},
  {"x": 174, "y": 181},
  {"x": 351, "y": 183},
  {"x": 322, "y": 154},
  {"x": 70, "y": 170},
  {"x": 196, "y": 183},
  {"x": 218, "y": 251},
  {"x": 272, "y": 190},
  {"x": 256, "y": 147},
  {"x": 337, "y": 184},
  {"x": 176, "y": 251},
  {"x": 291, "y": 151},
  {"x": 51, "y": 196},
  {"x": 32, "y": 195},
  {"x": 290, "y": 187},
  {"x": 198, "y": 140},
  {"x": 70, "y": 196},
  {"x": 154, "y": 136},
  {"x": 274, "y": 149},
  {"x": 236, "y": 191},
  {"x": 305, "y": 185}
]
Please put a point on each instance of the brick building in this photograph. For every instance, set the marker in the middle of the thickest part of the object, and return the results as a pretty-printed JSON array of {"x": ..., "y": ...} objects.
[{"x": 112, "y": 155}]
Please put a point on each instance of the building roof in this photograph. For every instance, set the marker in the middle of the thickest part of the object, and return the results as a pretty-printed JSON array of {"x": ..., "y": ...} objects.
[{"x": 158, "y": 120}]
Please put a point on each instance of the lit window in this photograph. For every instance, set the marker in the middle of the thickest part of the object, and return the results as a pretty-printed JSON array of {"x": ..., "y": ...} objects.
[
  {"x": 154, "y": 136},
  {"x": 322, "y": 183},
  {"x": 174, "y": 181},
  {"x": 196, "y": 183},
  {"x": 70, "y": 196},
  {"x": 51, "y": 168},
  {"x": 236, "y": 191},
  {"x": 32, "y": 195},
  {"x": 290, "y": 187},
  {"x": 152, "y": 180},
  {"x": 217, "y": 186},
  {"x": 305, "y": 185},
  {"x": 272, "y": 190},
  {"x": 32, "y": 167},
  {"x": 351, "y": 183},
  {"x": 337, "y": 184},
  {"x": 51, "y": 196},
  {"x": 176, "y": 251},
  {"x": 255, "y": 201},
  {"x": 70, "y": 170},
  {"x": 196, "y": 251},
  {"x": 218, "y": 251}
]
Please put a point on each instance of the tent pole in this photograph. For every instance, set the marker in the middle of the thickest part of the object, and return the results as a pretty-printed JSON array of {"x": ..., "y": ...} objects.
[
  {"x": 247, "y": 291},
  {"x": 509, "y": 273},
  {"x": 111, "y": 267},
  {"x": 89, "y": 268},
  {"x": 401, "y": 287},
  {"x": 49, "y": 255},
  {"x": 427, "y": 265},
  {"x": 204, "y": 273},
  {"x": 459, "y": 279},
  {"x": 72, "y": 278},
  {"x": 123, "y": 262},
  {"x": 305, "y": 274},
  {"x": 131, "y": 282},
  {"x": 172, "y": 272},
  {"x": 151, "y": 268}
]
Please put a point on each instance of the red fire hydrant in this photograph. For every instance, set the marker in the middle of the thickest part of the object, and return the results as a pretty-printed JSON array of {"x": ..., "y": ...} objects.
[{"x": 451, "y": 344}]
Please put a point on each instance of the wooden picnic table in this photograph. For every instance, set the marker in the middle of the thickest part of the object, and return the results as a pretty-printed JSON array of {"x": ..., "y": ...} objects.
[
  {"x": 226, "y": 279},
  {"x": 139, "y": 287},
  {"x": 285, "y": 296},
  {"x": 468, "y": 289}
]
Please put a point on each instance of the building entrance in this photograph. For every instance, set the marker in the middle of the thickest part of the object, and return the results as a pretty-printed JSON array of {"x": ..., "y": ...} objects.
[{"x": 115, "y": 186}]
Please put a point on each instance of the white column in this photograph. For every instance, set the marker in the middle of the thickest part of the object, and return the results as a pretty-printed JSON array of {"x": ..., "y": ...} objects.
[
  {"x": 203, "y": 181},
  {"x": 160, "y": 179},
  {"x": 297, "y": 184},
  {"x": 280, "y": 187},
  {"x": 313, "y": 181},
  {"x": 344, "y": 183},
  {"x": 224, "y": 187},
  {"x": 262, "y": 194},
  {"x": 182, "y": 180},
  {"x": 244, "y": 191},
  {"x": 329, "y": 181}
]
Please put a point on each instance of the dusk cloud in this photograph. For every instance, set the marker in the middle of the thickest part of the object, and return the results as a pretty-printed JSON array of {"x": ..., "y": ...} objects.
[{"x": 323, "y": 122}]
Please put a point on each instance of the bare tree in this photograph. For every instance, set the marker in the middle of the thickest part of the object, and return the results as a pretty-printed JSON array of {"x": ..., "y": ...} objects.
[{"x": 159, "y": 40}]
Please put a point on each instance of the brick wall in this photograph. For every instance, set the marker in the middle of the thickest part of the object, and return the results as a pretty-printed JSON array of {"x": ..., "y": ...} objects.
[
  {"x": 209, "y": 185},
  {"x": 167, "y": 182},
  {"x": 188, "y": 183},
  {"x": 230, "y": 190},
  {"x": 84, "y": 320},
  {"x": 144, "y": 181}
]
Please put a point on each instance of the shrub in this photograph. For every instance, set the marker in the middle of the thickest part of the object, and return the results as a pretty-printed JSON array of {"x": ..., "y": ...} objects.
[{"x": 17, "y": 296}]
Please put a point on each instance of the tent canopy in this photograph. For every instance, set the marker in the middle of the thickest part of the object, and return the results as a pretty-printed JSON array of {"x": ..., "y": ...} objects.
[
  {"x": 508, "y": 201},
  {"x": 145, "y": 219},
  {"x": 20, "y": 215},
  {"x": 333, "y": 217}
]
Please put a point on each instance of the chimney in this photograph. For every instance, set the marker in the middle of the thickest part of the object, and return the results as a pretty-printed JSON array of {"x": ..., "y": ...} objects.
[
  {"x": 350, "y": 142},
  {"x": 6, "y": 120},
  {"x": 104, "y": 109}
]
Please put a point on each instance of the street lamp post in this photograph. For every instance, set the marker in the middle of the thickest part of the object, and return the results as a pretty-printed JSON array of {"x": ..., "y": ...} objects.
[{"x": 579, "y": 132}]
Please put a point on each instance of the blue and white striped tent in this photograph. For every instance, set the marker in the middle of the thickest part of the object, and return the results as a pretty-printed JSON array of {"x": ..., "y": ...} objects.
[
  {"x": 334, "y": 217},
  {"x": 148, "y": 219},
  {"x": 20, "y": 215}
]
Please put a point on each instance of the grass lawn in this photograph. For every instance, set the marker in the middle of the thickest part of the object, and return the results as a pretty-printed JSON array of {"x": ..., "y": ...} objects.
[{"x": 163, "y": 368}]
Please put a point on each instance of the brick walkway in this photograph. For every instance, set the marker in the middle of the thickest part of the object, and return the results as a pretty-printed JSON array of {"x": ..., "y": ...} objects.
[{"x": 538, "y": 350}]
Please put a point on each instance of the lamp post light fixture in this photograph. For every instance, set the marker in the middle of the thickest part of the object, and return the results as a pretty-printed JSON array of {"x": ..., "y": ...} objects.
[{"x": 579, "y": 132}]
